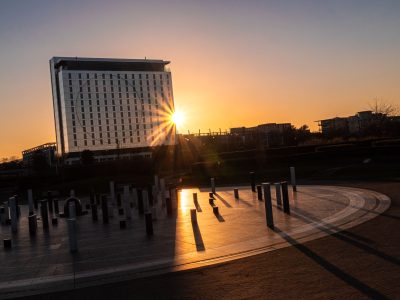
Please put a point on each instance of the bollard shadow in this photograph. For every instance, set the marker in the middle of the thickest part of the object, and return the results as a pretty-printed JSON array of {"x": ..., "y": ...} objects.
[
  {"x": 330, "y": 267},
  {"x": 219, "y": 217},
  {"x": 223, "y": 201},
  {"x": 198, "y": 238},
  {"x": 240, "y": 200},
  {"x": 344, "y": 235},
  {"x": 197, "y": 205}
]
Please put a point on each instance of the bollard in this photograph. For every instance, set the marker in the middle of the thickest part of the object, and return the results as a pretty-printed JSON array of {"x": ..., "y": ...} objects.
[
  {"x": 193, "y": 215},
  {"x": 73, "y": 243},
  {"x": 112, "y": 193},
  {"x": 13, "y": 214},
  {"x": 146, "y": 206},
  {"x": 44, "y": 214},
  {"x": 140, "y": 201},
  {"x": 169, "y": 206},
  {"x": 56, "y": 208},
  {"x": 104, "y": 208},
  {"x": 122, "y": 224},
  {"x": 32, "y": 221},
  {"x": 30, "y": 202},
  {"x": 150, "y": 195},
  {"x": 259, "y": 193},
  {"x": 293, "y": 178},
  {"x": 268, "y": 205},
  {"x": 120, "y": 211},
  {"x": 213, "y": 185},
  {"x": 94, "y": 212},
  {"x": 7, "y": 244},
  {"x": 278, "y": 194},
  {"x": 195, "y": 197},
  {"x": 50, "y": 201},
  {"x": 215, "y": 210},
  {"x": 2, "y": 215},
  {"x": 236, "y": 193},
  {"x": 149, "y": 223},
  {"x": 54, "y": 221},
  {"x": 126, "y": 198},
  {"x": 285, "y": 197},
  {"x": 72, "y": 210},
  {"x": 253, "y": 181}
]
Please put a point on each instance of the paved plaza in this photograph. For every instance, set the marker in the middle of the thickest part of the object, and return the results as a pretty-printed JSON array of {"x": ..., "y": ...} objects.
[{"x": 109, "y": 254}]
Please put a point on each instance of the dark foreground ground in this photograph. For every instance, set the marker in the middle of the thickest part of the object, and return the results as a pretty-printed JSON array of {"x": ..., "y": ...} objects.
[{"x": 361, "y": 263}]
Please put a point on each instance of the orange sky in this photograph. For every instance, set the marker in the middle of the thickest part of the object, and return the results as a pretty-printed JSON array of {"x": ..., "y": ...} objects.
[{"x": 232, "y": 65}]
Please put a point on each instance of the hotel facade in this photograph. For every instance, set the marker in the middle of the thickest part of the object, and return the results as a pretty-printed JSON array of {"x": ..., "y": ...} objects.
[{"x": 105, "y": 104}]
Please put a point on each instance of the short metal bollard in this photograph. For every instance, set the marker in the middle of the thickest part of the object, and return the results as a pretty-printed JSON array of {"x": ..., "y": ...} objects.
[
  {"x": 236, "y": 193},
  {"x": 195, "y": 197},
  {"x": 253, "y": 181},
  {"x": 104, "y": 209},
  {"x": 7, "y": 244},
  {"x": 213, "y": 185},
  {"x": 30, "y": 202},
  {"x": 193, "y": 215},
  {"x": 278, "y": 194},
  {"x": 44, "y": 214},
  {"x": 149, "y": 223},
  {"x": 94, "y": 212},
  {"x": 259, "y": 193},
  {"x": 50, "y": 201},
  {"x": 293, "y": 178},
  {"x": 73, "y": 243},
  {"x": 32, "y": 221},
  {"x": 13, "y": 214},
  {"x": 285, "y": 197},
  {"x": 268, "y": 205},
  {"x": 215, "y": 210}
]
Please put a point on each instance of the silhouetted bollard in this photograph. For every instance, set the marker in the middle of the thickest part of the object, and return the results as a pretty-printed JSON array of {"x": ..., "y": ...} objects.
[
  {"x": 94, "y": 212},
  {"x": 32, "y": 221},
  {"x": 30, "y": 202},
  {"x": 7, "y": 244},
  {"x": 73, "y": 243},
  {"x": 150, "y": 195},
  {"x": 169, "y": 206},
  {"x": 44, "y": 214},
  {"x": 193, "y": 215},
  {"x": 293, "y": 178},
  {"x": 236, "y": 193},
  {"x": 259, "y": 192},
  {"x": 2, "y": 215},
  {"x": 112, "y": 192},
  {"x": 140, "y": 201},
  {"x": 146, "y": 205},
  {"x": 278, "y": 194},
  {"x": 268, "y": 205},
  {"x": 54, "y": 221},
  {"x": 285, "y": 197},
  {"x": 213, "y": 185},
  {"x": 215, "y": 210},
  {"x": 253, "y": 181},
  {"x": 104, "y": 208},
  {"x": 126, "y": 198},
  {"x": 50, "y": 201},
  {"x": 13, "y": 214},
  {"x": 122, "y": 224},
  {"x": 195, "y": 197},
  {"x": 149, "y": 223},
  {"x": 56, "y": 207},
  {"x": 120, "y": 211}
]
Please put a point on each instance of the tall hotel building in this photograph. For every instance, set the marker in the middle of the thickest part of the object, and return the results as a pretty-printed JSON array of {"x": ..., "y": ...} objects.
[{"x": 102, "y": 104}]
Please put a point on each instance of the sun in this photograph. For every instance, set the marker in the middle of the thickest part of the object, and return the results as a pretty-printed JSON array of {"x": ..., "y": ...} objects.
[{"x": 178, "y": 118}]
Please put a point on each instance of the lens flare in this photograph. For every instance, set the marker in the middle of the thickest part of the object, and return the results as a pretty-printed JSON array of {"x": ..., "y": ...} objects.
[{"x": 178, "y": 118}]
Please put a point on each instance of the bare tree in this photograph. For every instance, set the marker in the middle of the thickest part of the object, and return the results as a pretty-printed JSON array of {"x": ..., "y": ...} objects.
[{"x": 380, "y": 106}]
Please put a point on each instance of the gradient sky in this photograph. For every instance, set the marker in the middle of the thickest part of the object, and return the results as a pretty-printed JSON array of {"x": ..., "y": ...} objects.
[{"x": 234, "y": 63}]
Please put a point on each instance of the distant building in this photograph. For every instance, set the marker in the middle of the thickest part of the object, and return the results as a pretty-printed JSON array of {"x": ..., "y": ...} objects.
[
  {"x": 47, "y": 151},
  {"x": 104, "y": 104},
  {"x": 352, "y": 125},
  {"x": 269, "y": 134}
]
